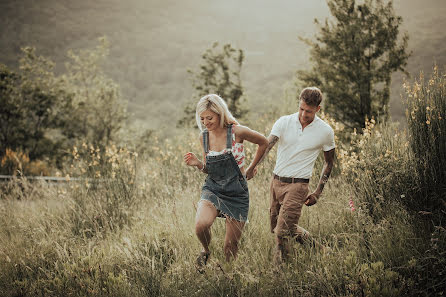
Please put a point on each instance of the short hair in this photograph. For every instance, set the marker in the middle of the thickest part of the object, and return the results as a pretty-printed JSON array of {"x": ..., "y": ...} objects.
[
  {"x": 216, "y": 104},
  {"x": 311, "y": 96}
]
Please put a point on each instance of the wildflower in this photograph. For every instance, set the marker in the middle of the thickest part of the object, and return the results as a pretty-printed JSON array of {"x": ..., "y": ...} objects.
[
  {"x": 352, "y": 206},
  {"x": 428, "y": 122}
]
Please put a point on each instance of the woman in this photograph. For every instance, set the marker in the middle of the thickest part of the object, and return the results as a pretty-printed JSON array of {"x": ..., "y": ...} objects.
[{"x": 225, "y": 191}]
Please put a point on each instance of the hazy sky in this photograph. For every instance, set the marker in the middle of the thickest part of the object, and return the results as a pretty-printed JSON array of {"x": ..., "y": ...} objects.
[{"x": 154, "y": 42}]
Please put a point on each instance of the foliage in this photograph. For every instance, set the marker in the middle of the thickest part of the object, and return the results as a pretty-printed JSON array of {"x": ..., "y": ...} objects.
[
  {"x": 426, "y": 114},
  {"x": 86, "y": 239},
  {"x": 354, "y": 56},
  {"x": 98, "y": 110},
  {"x": 29, "y": 107},
  {"x": 126, "y": 228},
  {"x": 105, "y": 198},
  {"x": 44, "y": 115},
  {"x": 219, "y": 74},
  {"x": 19, "y": 163},
  {"x": 376, "y": 163},
  {"x": 390, "y": 169},
  {"x": 379, "y": 281}
]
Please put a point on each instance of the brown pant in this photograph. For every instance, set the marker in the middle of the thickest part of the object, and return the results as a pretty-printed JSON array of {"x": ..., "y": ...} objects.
[{"x": 287, "y": 200}]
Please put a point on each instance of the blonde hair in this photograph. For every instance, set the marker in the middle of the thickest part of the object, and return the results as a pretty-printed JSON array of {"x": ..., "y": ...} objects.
[{"x": 216, "y": 104}]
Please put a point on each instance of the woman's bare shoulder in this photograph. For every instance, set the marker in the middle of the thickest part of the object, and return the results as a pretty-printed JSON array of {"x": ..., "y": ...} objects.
[{"x": 242, "y": 131}]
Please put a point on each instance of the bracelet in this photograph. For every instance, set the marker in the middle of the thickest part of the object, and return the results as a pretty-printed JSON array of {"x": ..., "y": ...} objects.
[{"x": 204, "y": 167}]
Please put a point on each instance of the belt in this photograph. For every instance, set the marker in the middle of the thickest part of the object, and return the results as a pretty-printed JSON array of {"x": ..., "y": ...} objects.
[{"x": 292, "y": 180}]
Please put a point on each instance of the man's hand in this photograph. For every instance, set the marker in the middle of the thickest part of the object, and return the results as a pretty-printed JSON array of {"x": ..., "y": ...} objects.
[
  {"x": 311, "y": 199},
  {"x": 251, "y": 172}
]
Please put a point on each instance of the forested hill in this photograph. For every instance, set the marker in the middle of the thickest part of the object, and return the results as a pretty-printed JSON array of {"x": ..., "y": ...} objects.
[{"x": 154, "y": 42}]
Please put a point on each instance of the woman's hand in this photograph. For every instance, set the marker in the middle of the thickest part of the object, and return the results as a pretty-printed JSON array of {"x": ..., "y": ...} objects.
[
  {"x": 191, "y": 160},
  {"x": 254, "y": 137}
]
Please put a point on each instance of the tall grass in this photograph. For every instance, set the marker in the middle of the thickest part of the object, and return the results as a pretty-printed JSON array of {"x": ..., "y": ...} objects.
[
  {"x": 426, "y": 118},
  {"x": 132, "y": 232}
]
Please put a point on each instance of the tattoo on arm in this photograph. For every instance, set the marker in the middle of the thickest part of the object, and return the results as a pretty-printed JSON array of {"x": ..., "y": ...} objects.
[
  {"x": 272, "y": 140},
  {"x": 326, "y": 171}
]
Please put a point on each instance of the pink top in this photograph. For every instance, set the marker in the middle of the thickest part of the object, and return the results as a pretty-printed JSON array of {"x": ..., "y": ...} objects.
[{"x": 237, "y": 151}]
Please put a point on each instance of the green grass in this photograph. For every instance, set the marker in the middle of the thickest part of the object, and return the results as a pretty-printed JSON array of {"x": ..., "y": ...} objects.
[
  {"x": 65, "y": 241},
  {"x": 132, "y": 233}
]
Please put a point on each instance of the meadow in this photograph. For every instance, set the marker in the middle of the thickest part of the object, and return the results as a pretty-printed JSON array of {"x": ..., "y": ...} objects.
[{"x": 127, "y": 228}]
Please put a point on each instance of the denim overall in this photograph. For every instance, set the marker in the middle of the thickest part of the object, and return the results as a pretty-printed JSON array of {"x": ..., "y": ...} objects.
[{"x": 225, "y": 186}]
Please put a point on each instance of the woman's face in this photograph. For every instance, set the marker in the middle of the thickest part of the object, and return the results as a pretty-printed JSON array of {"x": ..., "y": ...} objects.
[{"x": 210, "y": 119}]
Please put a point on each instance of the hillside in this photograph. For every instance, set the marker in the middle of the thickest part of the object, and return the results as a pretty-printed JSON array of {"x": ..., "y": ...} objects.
[{"x": 154, "y": 42}]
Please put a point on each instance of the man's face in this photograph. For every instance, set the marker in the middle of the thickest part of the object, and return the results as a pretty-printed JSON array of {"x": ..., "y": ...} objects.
[{"x": 307, "y": 112}]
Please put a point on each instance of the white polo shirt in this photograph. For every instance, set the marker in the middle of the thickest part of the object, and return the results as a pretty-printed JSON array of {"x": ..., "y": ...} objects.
[{"x": 298, "y": 150}]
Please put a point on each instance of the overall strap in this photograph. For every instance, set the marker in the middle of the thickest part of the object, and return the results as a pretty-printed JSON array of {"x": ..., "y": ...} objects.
[
  {"x": 206, "y": 141},
  {"x": 229, "y": 137}
]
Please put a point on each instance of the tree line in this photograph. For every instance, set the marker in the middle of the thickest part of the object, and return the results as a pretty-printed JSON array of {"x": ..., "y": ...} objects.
[{"x": 353, "y": 57}]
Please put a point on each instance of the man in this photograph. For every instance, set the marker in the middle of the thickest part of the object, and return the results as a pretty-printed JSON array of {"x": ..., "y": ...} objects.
[{"x": 300, "y": 136}]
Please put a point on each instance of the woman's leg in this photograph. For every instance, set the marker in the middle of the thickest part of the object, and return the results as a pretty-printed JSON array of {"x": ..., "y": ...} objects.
[
  {"x": 233, "y": 233},
  {"x": 206, "y": 214}
]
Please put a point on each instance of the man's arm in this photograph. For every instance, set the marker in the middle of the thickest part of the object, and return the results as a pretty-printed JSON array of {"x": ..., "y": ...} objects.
[
  {"x": 272, "y": 140},
  {"x": 326, "y": 171}
]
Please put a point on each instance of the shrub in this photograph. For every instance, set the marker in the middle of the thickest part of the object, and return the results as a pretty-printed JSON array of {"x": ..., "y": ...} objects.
[
  {"x": 104, "y": 197},
  {"x": 378, "y": 165},
  {"x": 18, "y": 162},
  {"x": 426, "y": 118}
]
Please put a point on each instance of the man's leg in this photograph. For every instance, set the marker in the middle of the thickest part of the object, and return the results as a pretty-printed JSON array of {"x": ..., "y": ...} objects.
[
  {"x": 274, "y": 207},
  {"x": 276, "y": 195},
  {"x": 302, "y": 235},
  {"x": 294, "y": 196}
]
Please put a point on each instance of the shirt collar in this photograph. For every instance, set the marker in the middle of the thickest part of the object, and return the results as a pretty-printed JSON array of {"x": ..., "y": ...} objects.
[{"x": 316, "y": 118}]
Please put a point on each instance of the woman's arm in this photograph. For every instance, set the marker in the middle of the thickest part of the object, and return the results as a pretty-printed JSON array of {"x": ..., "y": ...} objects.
[
  {"x": 191, "y": 160},
  {"x": 255, "y": 137}
]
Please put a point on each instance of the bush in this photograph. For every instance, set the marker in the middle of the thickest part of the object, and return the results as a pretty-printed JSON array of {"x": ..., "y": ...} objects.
[
  {"x": 104, "y": 197},
  {"x": 18, "y": 163},
  {"x": 426, "y": 118},
  {"x": 378, "y": 166}
]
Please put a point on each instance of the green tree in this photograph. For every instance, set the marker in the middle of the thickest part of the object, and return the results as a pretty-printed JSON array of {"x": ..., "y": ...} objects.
[
  {"x": 219, "y": 74},
  {"x": 97, "y": 111},
  {"x": 353, "y": 58},
  {"x": 29, "y": 107},
  {"x": 44, "y": 115}
]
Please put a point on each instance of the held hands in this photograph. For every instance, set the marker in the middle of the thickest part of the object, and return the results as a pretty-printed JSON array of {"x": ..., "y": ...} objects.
[
  {"x": 250, "y": 172},
  {"x": 312, "y": 199},
  {"x": 191, "y": 160}
]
